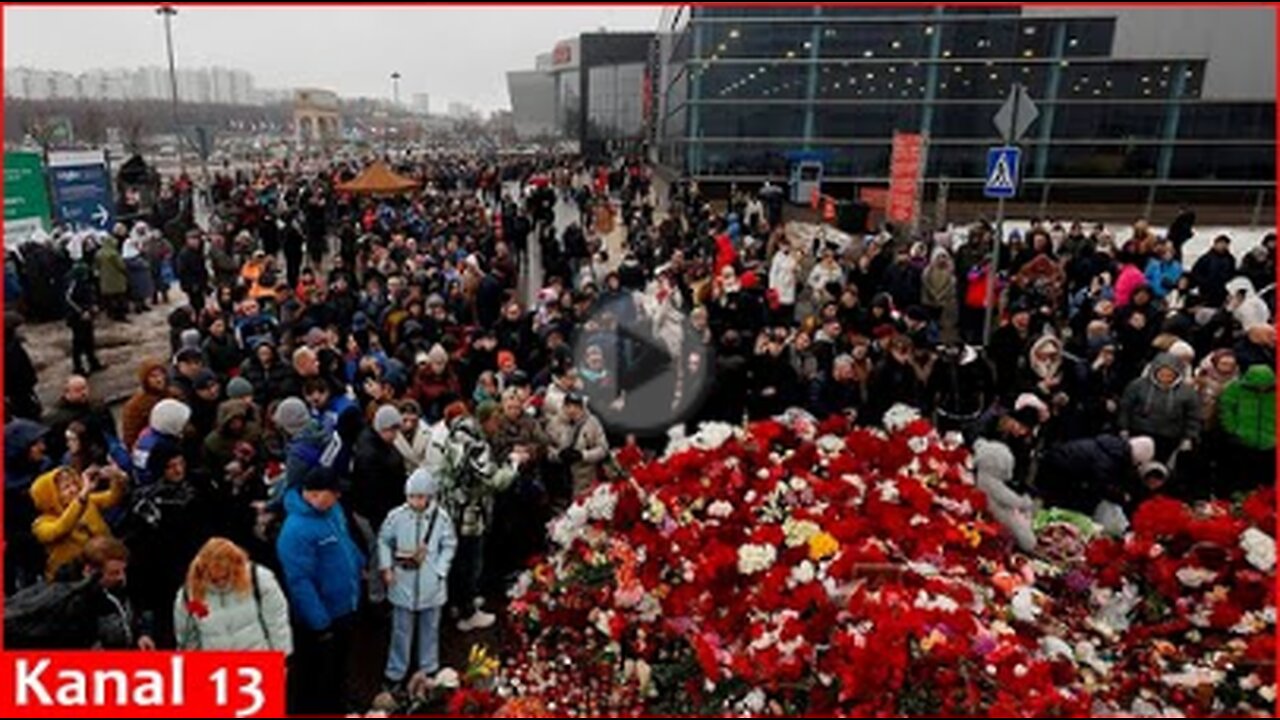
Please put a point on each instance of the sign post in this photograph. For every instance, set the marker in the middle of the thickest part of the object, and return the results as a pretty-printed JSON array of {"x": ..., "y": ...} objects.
[
  {"x": 82, "y": 189},
  {"x": 1013, "y": 120},
  {"x": 26, "y": 198}
]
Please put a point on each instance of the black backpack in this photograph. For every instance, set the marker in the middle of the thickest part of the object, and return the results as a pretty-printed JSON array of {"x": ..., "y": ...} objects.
[{"x": 49, "y": 616}]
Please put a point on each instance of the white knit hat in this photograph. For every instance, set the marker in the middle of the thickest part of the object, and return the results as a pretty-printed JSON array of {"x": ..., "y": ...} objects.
[
  {"x": 387, "y": 418},
  {"x": 1143, "y": 449},
  {"x": 170, "y": 417}
]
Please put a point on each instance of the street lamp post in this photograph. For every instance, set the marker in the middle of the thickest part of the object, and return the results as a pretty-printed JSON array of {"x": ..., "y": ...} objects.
[
  {"x": 167, "y": 12},
  {"x": 395, "y": 102}
]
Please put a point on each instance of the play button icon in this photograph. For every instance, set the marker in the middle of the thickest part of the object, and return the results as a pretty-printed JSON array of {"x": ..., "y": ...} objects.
[{"x": 642, "y": 364}]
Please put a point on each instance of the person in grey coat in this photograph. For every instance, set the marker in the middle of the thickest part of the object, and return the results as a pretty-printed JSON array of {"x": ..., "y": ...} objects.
[
  {"x": 1163, "y": 406},
  {"x": 415, "y": 550}
]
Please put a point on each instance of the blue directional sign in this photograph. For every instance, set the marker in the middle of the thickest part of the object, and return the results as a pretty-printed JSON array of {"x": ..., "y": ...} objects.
[
  {"x": 1003, "y": 166},
  {"x": 82, "y": 191}
]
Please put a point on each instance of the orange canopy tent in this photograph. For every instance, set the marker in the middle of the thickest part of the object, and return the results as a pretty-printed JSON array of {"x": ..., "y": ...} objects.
[{"x": 378, "y": 179}]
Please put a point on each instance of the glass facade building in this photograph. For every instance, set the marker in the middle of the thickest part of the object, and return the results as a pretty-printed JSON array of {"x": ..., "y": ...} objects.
[{"x": 1126, "y": 114}]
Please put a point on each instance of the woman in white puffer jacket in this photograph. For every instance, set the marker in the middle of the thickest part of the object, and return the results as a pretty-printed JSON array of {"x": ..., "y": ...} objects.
[{"x": 231, "y": 603}]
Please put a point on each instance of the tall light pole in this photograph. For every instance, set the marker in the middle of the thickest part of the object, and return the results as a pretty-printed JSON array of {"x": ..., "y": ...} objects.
[{"x": 167, "y": 12}]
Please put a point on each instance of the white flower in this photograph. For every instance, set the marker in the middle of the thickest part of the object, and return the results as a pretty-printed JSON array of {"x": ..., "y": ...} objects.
[
  {"x": 888, "y": 491},
  {"x": 918, "y": 520},
  {"x": 712, "y": 435},
  {"x": 799, "y": 532},
  {"x": 1268, "y": 693},
  {"x": 804, "y": 573},
  {"x": 918, "y": 445},
  {"x": 601, "y": 504},
  {"x": 1055, "y": 647},
  {"x": 568, "y": 527},
  {"x": 753, "y": 559},
  {"x": 938, "y": 602},
  {"x": 1020, "y": 671},
  {"x": 720, "y": 509},
  {"x": 656, "y": 512},
  {"x": 448, "y": 678},
  {"x": 1195, "y": 577},
  {"x": 1024, "y": 605},
  {"x": 1259, "y": 548},
  {"x": 1194, "y": 678},
  {"x": 830, "y": 444},
  {"x": 899, "y": 416},
  {"x": 799, "y": 484},
  {"x": 1252, "y": 682},
  {"x": 754, "y": 702}
]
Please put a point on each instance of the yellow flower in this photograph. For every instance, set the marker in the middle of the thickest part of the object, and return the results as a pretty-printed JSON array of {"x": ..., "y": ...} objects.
[
  {"x": 822, "y": 546},
  {"x": 972, "y": 535},
  {"x": 935, "y": 638},
  {"x": 479, "y": 664}
]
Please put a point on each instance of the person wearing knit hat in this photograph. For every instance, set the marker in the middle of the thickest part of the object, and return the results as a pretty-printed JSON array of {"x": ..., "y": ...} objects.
[
  {"x": 416, "y": 547},
  {"x": 292, "y": 416},
  {"x": 1142, "y": 450},
  {"x": 438, "y": 357},
  {"x": 239, "y": 389},
  {"x": 190, "y": 339},
  {"x": 168, "y": 424},
  {"x": 387, "y": 418},
  {"x": 376, "y": 456}
]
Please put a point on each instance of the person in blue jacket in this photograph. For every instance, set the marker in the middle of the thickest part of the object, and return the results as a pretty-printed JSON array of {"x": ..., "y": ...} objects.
[
  {"x": 1163, "y": 271},
  {"x": 323, "y": 572}
]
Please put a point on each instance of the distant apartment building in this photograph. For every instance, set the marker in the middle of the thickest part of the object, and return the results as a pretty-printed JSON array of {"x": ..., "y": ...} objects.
[{"x": 195, "y": 85}]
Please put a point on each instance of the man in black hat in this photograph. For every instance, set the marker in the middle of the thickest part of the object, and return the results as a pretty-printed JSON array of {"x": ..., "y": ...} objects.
[{"x": 187, "y": 366}]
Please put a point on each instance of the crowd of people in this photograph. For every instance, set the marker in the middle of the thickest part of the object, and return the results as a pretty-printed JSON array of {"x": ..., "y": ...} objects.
[{"x": 380, "y": 421}]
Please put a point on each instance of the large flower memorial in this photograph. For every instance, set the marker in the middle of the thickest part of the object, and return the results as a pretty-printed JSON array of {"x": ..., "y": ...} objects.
[{"x": 791, "y": 568}]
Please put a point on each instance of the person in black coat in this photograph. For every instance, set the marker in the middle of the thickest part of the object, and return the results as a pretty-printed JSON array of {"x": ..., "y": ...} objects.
[
  {"x": 20, "y": 379},
  {"x": 378, "y": 481},
  {"x": 1214, "y": 270},
  {"x": 894, "y": 381},
  {"x": 82, "y": 305},
  {"x": 1181, "y": 230},
  {"x": 489, "y": 297},
  {"x": 193, "y": 276},
  {"x": 1079, "y": 474},
  {"x": 961, "y": 387},
  {"x": 774, "y": 384},
  {"x": 271, "y": 377},
  {"x": 1009, "y": 346}
]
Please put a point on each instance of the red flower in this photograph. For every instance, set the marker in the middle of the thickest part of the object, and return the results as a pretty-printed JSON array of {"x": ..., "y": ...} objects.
[
  {"x": 197, "y": 609},
  {"x": 706, "y": 655},
  {"x": 1225, "y": 615},
  {"x": 1221, "y": 530},
  {"x": 1260, "y": 509},
  {"x": 1161, "y": 518}
]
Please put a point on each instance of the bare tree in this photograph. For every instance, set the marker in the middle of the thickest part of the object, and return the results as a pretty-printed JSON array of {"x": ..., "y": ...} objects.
[{"x": 93, "y": 126}]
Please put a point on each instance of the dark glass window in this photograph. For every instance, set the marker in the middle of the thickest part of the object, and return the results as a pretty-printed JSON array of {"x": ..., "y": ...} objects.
[
  {"x": 957, "y": 161},
  {"x": 998, "y": 38},
  {"x": 1224, "y": 162},
  {"x": 872, "y": 81},
  {"x": 874, "y": 40},
  {"x": 1103, "y": 161},
  {"x": 730, "y": 81},
  {"x": 1130, "y": 80},
  {"x": 720, "y": 12},
  {"x": 990, "y": 80},
  {"x": 755, "y": 40},
  {"x": 1089, "y": 38},
  {"x": 733, "y": 120},
  {"x": 964, "y": 121},
  {"x": 1109, "y": 121},
  {"x": 865, "y": 121},
  {"x": 838, "y": 11},
  {"x": 743, "y": 159},
  {"x": 860, "y": 161},
  {"x": 1228, "y": 121}
]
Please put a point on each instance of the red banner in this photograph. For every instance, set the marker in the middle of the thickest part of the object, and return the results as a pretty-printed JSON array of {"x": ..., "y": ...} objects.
[
  {"x": 904, "y": 176},
  {"x": 142, "y": 684},
  {"x": 876, "y": 197}
]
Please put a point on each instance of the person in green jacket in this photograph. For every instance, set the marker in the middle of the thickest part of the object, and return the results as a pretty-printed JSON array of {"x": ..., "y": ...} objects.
[
  {"x": 1247, "y": 412},
  {"x": 113, "y": 278}
]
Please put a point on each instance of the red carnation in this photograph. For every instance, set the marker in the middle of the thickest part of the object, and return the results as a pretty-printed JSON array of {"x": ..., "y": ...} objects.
[
  {"x": 1260, "y": 509},
  {"x": 197, "y": 609},
  {"x": 1161, "y": 518}
]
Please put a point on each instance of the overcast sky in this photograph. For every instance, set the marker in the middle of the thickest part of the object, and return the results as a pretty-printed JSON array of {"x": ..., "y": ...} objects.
[{"x": 455, "y": 54}]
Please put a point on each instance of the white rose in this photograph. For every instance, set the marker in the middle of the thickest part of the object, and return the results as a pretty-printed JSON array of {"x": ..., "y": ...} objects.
[
  {"x": 804, "y": 573},
  {"x": 754, "y": 559},
  {"x": 1195, "y": 577},
  {"x": 1259, "y": 548}
]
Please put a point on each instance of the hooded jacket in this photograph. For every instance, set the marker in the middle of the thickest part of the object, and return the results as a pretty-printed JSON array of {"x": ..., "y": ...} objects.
[
  {"x": 113, "y": 276},
  {"x": 136, "y": 413},
  {"x": 64, "y": 530},
  {"x": 1210, "y": 383},
  {"x": 220, "y": 445},
  {"x": 1078, "y": 474},
  {"x": 322, "y": 565},
  {"x": 1148, "y": 408},
  {"x": 1248, "y": 409},
  {"x": 270, "y": 383},
  {"x": 405, "y": 530}
]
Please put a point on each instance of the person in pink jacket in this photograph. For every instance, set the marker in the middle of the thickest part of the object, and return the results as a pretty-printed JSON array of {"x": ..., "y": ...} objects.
[{"x": 1131, "y": 278}]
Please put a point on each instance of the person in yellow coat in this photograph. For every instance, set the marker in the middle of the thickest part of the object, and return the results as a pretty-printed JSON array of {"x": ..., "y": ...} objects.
[{"x": 71, "y": 506}]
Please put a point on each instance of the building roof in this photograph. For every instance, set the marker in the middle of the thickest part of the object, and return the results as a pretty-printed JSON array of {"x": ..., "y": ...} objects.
[{"x": 378, "y": 179}]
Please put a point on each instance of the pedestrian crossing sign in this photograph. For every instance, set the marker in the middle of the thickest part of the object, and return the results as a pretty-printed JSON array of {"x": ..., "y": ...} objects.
[{"x": 1003, "y": 164}]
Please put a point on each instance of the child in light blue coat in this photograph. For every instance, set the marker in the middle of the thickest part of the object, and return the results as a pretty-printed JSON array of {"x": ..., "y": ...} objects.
[{"x": 415, "y": 549}]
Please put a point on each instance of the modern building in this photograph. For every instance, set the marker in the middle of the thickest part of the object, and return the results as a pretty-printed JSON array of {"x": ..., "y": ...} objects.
[
  {"x": 1136, "y": 106},
  {"x": 590, "y": 89},
  {"x": 422, "y": 103}
]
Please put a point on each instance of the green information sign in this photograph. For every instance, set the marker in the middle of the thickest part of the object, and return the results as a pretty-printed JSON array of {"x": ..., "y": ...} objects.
[{"x": 26, "y": 198}]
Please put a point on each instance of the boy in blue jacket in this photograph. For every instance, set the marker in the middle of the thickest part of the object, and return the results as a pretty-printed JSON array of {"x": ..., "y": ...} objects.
[{"x": 323, "y": 572}]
